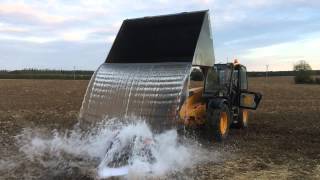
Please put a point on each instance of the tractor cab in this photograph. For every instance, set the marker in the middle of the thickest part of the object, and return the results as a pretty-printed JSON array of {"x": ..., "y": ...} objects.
[
  {"x": 217, "y": 82},
  {"x": 229, "y": 81}
]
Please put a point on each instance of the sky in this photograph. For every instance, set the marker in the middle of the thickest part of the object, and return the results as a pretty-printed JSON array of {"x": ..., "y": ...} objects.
[{"x": 67, "y": 34}]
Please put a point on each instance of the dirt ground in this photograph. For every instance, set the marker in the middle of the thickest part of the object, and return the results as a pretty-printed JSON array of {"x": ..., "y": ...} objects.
[{"x": 282, "y": 142}]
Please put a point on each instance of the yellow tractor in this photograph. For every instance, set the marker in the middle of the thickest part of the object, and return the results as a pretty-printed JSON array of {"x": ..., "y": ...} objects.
[{"x": 219, "y": 98}]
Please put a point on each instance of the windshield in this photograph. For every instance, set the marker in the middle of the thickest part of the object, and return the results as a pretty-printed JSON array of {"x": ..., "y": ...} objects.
[{"x": 218, "y": 78}]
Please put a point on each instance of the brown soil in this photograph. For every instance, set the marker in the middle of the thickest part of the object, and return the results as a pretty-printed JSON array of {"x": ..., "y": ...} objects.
[{"x": 282, "y": 141}]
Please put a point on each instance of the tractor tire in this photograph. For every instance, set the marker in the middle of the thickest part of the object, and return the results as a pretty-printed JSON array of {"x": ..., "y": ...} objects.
[
  {"x": 218, "y": 122},
  {"x": 243, "y": 118}
]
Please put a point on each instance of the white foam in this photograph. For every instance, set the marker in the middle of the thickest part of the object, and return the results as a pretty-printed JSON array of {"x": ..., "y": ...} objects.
[
  {"x": 142, "y": 153},
  {"x": 111, "y": 172}
]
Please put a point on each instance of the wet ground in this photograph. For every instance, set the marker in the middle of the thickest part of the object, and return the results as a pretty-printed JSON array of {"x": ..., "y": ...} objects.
[{"x": 282, "y": 142}]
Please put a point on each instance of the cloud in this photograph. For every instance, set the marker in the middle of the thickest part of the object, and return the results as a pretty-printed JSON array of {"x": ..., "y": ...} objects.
[
  {"x": 240, "y": 27},
  {"x": 54, "y": 55},
  {"x": 6, "y": 28},
  {"x": 284, "y": 55},
  {"x": 26, "y": 12},
  {"x": 34, "y": 39}
]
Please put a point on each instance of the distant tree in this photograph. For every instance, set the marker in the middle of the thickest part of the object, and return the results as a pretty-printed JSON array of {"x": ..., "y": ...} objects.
[{"x": 303, "y": 72}]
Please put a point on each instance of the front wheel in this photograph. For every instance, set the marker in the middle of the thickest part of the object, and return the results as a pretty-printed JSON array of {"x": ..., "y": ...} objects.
[{"x": 218, "y": 121}]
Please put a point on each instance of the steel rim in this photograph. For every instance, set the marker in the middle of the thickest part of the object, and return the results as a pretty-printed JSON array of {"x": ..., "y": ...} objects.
[
  {"x": 223, "y": 122},
  {"x": 245, "y": 117}
]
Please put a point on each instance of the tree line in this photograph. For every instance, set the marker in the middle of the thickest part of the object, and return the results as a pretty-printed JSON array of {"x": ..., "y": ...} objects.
[
  {"x": 45, "y": 74},
  {"x": 302, "y": 72},
  {"x": 278, "y": 73}
]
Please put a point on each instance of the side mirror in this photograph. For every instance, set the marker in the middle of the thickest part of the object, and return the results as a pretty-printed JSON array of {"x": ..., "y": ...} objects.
[{"x": 250, "y": 100}]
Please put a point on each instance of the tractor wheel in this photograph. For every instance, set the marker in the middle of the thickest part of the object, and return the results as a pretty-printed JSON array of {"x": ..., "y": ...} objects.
[
  {"x": 218, "y": 122},
  {"x": 242, "y": 119}
]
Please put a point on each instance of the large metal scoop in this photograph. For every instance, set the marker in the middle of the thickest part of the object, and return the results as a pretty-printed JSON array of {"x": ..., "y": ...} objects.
[{"x": 147, "y": 69}]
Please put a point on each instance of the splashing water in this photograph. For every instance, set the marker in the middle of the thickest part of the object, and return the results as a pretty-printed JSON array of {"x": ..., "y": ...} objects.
[{"x": 129, "y": 150}]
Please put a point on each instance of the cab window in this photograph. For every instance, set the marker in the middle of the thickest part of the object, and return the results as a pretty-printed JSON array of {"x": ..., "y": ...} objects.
[
  {"x": 243, "y": 77},
  {"x": 235, "y": 79},
  {"x": 196, "y": 78},
  {"x": 218, "y": 78}
]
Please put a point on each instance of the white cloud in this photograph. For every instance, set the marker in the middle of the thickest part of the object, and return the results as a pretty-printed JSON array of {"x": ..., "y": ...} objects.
[
  {"x": 28, "y": 12},
  {"x": 74, "y": 35},
  {"x": 111, "y": 38},
  {"x": 282, "y": 56},
  {"x": 7, "y": 28},
  {"x": 33, "y": 39}
]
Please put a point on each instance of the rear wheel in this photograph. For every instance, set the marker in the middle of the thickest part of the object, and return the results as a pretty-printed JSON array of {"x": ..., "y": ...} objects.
[
  {"x": 243, "y": 119},
  {"x": 218, "y": 121}
]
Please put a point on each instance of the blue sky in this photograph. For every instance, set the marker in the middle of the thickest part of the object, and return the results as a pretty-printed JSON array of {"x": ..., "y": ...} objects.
[{"x": 59, "y": 34}]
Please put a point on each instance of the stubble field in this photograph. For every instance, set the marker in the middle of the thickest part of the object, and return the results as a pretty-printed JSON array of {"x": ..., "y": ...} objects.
[{"x": 282, "y": 142}]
